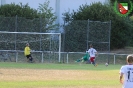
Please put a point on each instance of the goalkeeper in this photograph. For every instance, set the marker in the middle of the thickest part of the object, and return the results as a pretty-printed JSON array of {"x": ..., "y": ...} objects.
[
  {"x": 27, "y": 53},
  {"x": 84, "y": 58}
]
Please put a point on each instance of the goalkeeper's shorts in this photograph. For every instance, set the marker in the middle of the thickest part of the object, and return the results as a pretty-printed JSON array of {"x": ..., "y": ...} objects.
[{"x": 85, "y": 58}]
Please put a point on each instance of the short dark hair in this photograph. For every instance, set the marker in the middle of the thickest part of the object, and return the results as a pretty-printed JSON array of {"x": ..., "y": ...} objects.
[{"x": 91, "y": 45}]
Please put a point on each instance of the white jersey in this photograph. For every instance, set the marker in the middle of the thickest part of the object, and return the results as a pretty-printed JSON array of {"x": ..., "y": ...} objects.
[
  {"x": 92, "y": 52},
  {"x": 127, "y": 70}
]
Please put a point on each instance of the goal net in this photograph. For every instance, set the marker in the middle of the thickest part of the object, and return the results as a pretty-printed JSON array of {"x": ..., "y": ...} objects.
[{"x": 46, "y": 47}]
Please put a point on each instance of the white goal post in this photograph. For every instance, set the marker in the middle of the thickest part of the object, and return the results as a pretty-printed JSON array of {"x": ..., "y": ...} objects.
[{"x": 46, "y": 42}]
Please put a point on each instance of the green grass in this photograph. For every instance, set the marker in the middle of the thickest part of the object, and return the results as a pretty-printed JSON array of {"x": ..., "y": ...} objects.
[
  {"x": 57, "y": 66},
  {"x": 91, "y": 77},
  {"x": 59, "y": 84}
]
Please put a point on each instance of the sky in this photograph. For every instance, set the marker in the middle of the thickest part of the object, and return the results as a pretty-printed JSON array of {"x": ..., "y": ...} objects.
[{"x": 65, "y": 5}]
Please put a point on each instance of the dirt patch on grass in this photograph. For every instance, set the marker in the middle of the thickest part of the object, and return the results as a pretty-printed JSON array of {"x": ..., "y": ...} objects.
[
  {"x": 40, "y": 74},
  {"x": 34, "y": 74},
  {"x": 25, "y": 75}
]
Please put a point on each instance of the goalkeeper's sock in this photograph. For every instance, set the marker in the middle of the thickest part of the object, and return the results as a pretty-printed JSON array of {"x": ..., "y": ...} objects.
[{"x": 78, "y": 60}]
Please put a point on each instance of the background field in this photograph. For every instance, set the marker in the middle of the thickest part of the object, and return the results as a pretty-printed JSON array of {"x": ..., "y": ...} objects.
[{"x": 33, "y": 75}]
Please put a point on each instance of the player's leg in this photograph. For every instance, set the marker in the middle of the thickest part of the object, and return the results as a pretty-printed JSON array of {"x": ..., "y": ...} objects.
[
  {"x": 30, "y": 58},
  {"x": 79, "y": 60},
  {"x": 94, "y": 62},
  {"x": 27, "y": 58},
  {"x": 92, "y": 59},
  {"x": 85, "y": 58}
]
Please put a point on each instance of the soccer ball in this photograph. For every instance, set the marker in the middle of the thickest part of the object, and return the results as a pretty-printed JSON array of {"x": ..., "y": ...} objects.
[{"x": 106, "y": 64}]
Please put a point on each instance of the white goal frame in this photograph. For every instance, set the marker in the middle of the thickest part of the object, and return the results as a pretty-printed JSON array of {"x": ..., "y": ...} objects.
[{"x": 59, "y": 51}]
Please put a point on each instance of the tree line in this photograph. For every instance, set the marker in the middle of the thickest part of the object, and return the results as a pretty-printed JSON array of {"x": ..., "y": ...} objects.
[{"x": 121, "y": 27}]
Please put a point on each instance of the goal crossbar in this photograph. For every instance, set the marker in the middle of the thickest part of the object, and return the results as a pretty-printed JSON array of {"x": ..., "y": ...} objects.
[{"x": 28, "y": 33}]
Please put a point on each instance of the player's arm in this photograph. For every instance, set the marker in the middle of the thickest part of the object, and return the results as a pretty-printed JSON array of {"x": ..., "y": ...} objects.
[
  {"x": 29, "y": 49},
  {"x": 121, "y": 77},
  {"x": 96, "y": 53}
]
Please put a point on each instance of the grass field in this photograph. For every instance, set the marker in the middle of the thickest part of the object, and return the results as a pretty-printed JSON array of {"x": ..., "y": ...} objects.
[{"x": 37, "y": 75}]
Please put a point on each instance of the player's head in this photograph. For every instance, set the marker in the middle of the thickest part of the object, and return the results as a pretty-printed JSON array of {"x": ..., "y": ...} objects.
[
  {"x": 27, "y": 44},
  {"x": 129, "y": 59},
  {"x": 91, "y": 45}
]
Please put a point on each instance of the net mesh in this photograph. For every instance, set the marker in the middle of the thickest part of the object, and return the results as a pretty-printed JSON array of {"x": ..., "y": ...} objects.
[
  {"x": 99, "y": 35},
  {"x": 79, "y": 34},
  {"x": 39, "y": 42}
]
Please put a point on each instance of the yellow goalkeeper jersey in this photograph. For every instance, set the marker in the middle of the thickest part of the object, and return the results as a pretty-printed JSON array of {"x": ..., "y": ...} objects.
[{"x": 27, "y": 50}]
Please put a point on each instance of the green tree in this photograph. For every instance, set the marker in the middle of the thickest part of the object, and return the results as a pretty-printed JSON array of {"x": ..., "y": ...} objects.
[
  {"x": 39, "y": 20},
  {"x": 48, "y": 17},
  {"x": 121, "y": 27},
  {"x": 20, "y": 10}
]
